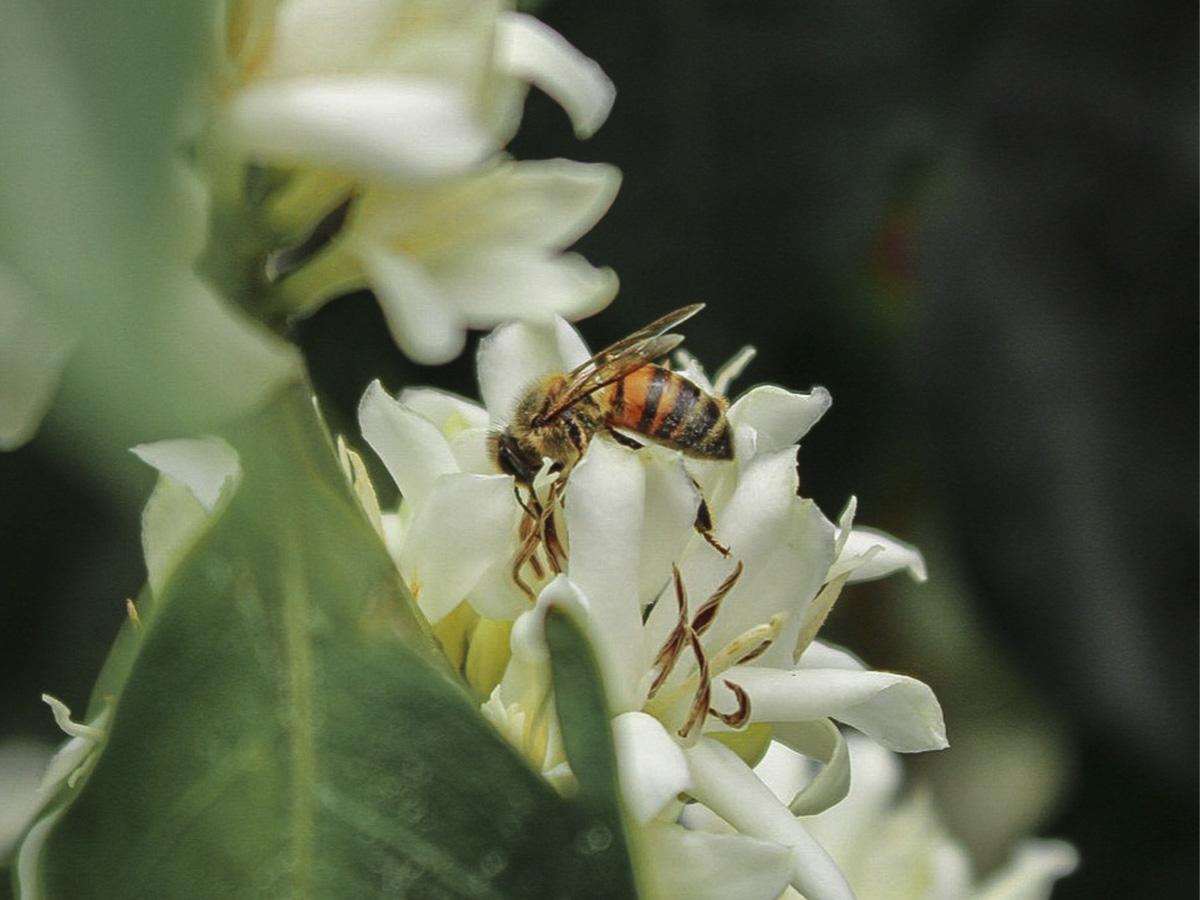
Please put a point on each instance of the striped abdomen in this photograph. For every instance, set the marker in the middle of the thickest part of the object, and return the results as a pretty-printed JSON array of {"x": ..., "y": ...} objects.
[{"x": 670, "y": 410}]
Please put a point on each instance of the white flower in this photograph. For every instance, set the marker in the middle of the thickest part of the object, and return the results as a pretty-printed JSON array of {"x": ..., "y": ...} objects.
[
  {"x": 469, "y": 252},
  {"x": 456, "y": 531},
  {"x": 70, "y": 764},
  {"x": 33, "y": 353},
  {"x": 893, "y": 847},
  {"x": 629, "y": 518},
  {"x": 391, "y": 90},
  {"x": 380, "y": 124},
  {"x": 195, "y": 474},
  {"x": 22, "y": 765}
]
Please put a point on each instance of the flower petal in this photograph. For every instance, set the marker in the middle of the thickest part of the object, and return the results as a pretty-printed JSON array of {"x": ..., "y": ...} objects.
[
  {"x": 205, "y": 466},
  {"x": 513, "y": 357},
  {"x": 356, "y": 473},
  {"x": 604, "y": 502},
  {"x": 721, "y": 781},
  {"x": 471, "y": 451},
  {"x": 29, "y": 857},
  {"x": 780, "y": 417},
  {"x": 1031, "y": 873},
  {"x": 865, "y": 564},
  {"x": 543, "y": 203},
  {"x": 785, "y": 545},
  {"x": 699, "y": 865},
  {"x": 898, "y": 712},
  {"x": 377, "y": 127},
  {"x": 820, "y": 741},
  {"x": 196, "y": 472},
  {"x": 421, "y": 317},
  {"x": 496, "y": 595},
  {"x": 693, "y": 370},
  {"x": 528, "y": 636},
  {"x": 22, "y": 763},
  {"x": 74, "y": 758},
  {"x": 669, "y": 513},
  {"x": 572, "y": 349},
  {"x": 465, "y": 524},
  {"x": 650, "y": 764},
  {"x": 324, "y": 36},
  {"x": 529, "y": 49},
  {"x": 753, "y": 525},
  {"x": 408, "y": 444},
  {"x": 822, "y": 655},
  {"x": 495, "y": 283},
  {"x": 171, "y": 522},
  {"x": 732, "y": 370},
  {"x": 33, "y": 353},
  {"x": 449, "y": 412}
]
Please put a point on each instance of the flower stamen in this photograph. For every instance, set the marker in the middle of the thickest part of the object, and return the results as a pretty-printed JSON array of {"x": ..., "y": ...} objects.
[
  {"x": 686, "y": 632},
  {"x": 538, "y": 531},
  {"x": 749, "y": 645},
  {"x": 668, "y": 654},
  {"x": 708, "y": 612},
  {"x": 739, "y": 716},
  {"x": 700, "y": 702}
]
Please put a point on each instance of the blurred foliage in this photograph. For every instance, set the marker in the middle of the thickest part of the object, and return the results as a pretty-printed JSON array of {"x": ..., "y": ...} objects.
[
  {"x": 973, "y": 222},
  {"x": 285, "y": 726},
  {"x": 100, "y": 216}
]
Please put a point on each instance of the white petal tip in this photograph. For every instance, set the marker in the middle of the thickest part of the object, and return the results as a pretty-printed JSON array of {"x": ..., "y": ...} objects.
[
  {"x": 205, "y": 466},
  {"x": 529, "y": 49}
]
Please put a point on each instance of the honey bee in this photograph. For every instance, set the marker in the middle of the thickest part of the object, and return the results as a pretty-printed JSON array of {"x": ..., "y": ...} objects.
[{"x": 618, "y": 389}]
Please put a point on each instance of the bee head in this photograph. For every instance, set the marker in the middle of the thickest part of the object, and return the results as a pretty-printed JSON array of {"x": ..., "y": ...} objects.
[{"x": 513, "y": 458}]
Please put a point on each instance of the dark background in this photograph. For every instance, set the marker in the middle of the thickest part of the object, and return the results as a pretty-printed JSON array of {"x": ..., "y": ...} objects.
[{"x": 976, "y": 224}]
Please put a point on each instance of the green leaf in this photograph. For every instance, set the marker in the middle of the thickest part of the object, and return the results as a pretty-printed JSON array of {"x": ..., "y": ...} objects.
[
  {"x": 282, "y": 725},
  {"x": 583, "y": 716}
]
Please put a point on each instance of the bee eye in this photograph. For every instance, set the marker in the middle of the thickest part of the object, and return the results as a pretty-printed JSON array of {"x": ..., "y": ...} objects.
[{"x": 512, "y": 460}]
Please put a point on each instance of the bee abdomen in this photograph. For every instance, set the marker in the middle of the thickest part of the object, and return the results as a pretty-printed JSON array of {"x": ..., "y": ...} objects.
[{"x": 672, "y": 411}]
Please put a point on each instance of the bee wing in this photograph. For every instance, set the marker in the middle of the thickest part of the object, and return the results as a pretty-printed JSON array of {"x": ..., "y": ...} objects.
[
  {"x": 628, "y": 345},
  {"x": 588, "y": 382},
  {"x": 616, "y": 361}
]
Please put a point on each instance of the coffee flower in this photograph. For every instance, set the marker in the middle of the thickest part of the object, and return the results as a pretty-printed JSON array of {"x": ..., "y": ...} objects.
[
  {"x": 391, "y": 90},
  {"x": 357, "y": 144},
  {"x": 704, "y": 657},
  {"x": 469, "y": 252},
  {"x": 893, "y": 846}
]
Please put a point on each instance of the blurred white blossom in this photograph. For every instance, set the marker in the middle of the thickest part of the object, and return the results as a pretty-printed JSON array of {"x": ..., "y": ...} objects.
[
  {"x": 470, "y": 252},
  {"x": 391, "y": 90},
  {"x": 382, "y": 122},
  {"x": 697, "y": 690},
  {"x": 893, "y": 846},
  {"x": 22, "y": 765},
  {"x": 33, "y": 352},
  {"x": 194, "y": 475}
]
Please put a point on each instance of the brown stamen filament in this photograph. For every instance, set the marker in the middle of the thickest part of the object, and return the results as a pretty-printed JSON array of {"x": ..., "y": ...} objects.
[
  {"x": 739, "y": 716},
  {"x": 700, "y": 702},
  {"x": 755, "y": 653},
  {"x": 668, "y": 654},
  {"x": 708, "y": 612},
  {"x": 538, "y": 531}
]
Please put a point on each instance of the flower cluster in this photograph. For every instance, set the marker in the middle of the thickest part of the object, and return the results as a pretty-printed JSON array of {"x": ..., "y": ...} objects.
[
  {"x": 359, "y": 144},
  {"x": 892, "y": 845},
  {"x": 706, "y": 657}
]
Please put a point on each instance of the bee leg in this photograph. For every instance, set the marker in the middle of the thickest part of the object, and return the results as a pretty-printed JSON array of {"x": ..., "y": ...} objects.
[
  {"x": 704, "y": 524},
  {"x": 525, "y": 554},
  {"x": 555, "y": 553},
  {"x": 521, "y": 501},
  {"x": 531, "y": 537},
  {"x": 625, "y": 440}
]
